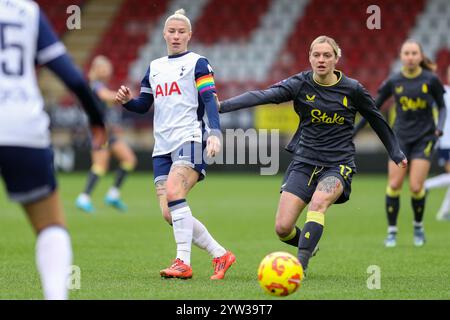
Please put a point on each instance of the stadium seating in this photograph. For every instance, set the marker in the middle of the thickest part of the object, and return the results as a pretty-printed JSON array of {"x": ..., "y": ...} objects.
[
  {"x": 250, "y": 45},
  {"x": 242, "y": 60},
  {"x": 443, "y": 62},
  {"x": 432, "y": 30},
  {"x": 127, "y": 34},
  {"x": 52, "y": 9},
  {"x": 367, "y": 54},
  {"x": 254, "y": 43},
  {"x": 235, "y": 20}
]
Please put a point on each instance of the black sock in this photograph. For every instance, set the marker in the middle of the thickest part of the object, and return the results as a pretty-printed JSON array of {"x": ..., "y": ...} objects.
[
  {"x": 418, "y": 206},
  {"x": 392, "y": 209},
  {"x": 303, "y": 256},
  {"x": 295, "y": 237},
  {"x": 309, "y": 238},
  {"x": 120, "y": 177},
  {"x": 91, "y": 182}
]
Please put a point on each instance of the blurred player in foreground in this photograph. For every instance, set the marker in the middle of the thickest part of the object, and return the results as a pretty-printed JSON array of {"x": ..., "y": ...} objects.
[
  {"x": 99, "y": 74},
  {"x": 181, "y": 85},
  {"x": 26, "y": 159},
  {"x": 321, "y": 171}
]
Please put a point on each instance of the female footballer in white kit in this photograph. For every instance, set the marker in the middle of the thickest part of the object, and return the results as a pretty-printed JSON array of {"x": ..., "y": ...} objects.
[
  {"x": 26, "y": 157},
  {"x": 181, "y": 86}
]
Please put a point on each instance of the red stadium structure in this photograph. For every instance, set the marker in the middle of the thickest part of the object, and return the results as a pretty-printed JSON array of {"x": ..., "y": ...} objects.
[{"x": 225, "y": 27}]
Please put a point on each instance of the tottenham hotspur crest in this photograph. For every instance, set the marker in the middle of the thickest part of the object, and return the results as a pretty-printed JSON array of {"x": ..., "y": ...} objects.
[{"x": 182, "y": 70}]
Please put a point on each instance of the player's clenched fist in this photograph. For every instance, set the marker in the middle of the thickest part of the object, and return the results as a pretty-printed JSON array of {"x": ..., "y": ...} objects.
[
  {"x": 212, "y": 146},
  {"x": 123, "y": 95}
]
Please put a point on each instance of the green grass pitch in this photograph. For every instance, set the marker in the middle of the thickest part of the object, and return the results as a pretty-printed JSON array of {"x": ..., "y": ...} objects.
[{"x": 120, "y": 255}]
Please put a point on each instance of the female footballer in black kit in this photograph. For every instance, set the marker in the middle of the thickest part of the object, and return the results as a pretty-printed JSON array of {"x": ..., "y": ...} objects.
[
  {"x": 321, "y": 171},
  {"x": 415, "y": 89}
]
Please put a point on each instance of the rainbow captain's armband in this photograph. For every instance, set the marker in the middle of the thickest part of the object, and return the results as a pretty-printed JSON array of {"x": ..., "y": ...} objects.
[{"x": 205, "y": 83}]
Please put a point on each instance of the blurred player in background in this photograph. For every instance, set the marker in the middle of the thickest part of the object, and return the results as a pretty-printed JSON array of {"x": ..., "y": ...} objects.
[
  {"x": 321, "y": 171},
  {"x": 443, "y": 180},
  {"x": 415, "y": 89},
  {"x": 181, "y": 85},
  {"x": 99, "y": 74},
  {"x": 26, "y": 159}
]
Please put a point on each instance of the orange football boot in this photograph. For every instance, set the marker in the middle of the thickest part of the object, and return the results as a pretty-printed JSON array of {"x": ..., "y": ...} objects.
[
  {"x": 222, "y": 264},
  {"x": 178, "y": 269}
]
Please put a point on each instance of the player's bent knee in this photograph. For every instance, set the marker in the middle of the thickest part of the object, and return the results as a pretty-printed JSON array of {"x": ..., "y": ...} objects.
[
  {"x": 393, "y": 192},
  {"x": 395, "y": 183},
  {"x": 128, "y": 165},
  {"x": 99, "y": 169},
  {"x": 415, "y": 187},
  {"x": 417, "y": 191},
  {"x": 282, "y": 229}
]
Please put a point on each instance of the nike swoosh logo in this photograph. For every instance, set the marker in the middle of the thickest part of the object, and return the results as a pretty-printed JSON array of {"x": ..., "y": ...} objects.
[{"x": 155, "y": 74}]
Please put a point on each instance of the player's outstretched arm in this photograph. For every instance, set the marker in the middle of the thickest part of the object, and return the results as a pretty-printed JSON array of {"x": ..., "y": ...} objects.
[
  {"x": 52, "y": 54},
  {"x": 254, "y": 98},
  {"x": 283, "y": 91},
  {"x": 73, "y": 79},
  {"x": 366, "y": 106}
]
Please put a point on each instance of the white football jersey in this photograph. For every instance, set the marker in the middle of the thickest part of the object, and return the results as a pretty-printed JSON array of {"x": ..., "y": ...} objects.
[
  {"x": 23, "y": 121},
  {"x": 176, "y": 100},
  {"x": 444, "y": 141}
]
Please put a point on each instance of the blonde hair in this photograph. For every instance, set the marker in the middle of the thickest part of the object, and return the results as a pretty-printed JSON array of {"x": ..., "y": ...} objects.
[
  {"x": 97, "y": 62},
  {"x": 325, "y": 39},
  {"x": 180, "y": 14},
  {"x": 426, "y": 62}
]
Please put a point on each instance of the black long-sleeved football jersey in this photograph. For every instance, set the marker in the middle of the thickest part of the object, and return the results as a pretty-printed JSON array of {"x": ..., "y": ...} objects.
[{"x": 327, "y": 113}]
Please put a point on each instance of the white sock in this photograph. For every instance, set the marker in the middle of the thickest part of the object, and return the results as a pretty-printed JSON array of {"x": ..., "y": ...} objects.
[
  {"x": 113, "y": 193},
  {"x": 418, "y": 224},
  {"x": 445, "y": 206},
  {"x": 84, "y": 197},
  {"x": 203, "y": 239},
  {"x": 182, "y": 222},
  {"x": 442, "y": 180},
  {"x": 53, "y": 259},
  {"x": 392, "y": 229}
]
